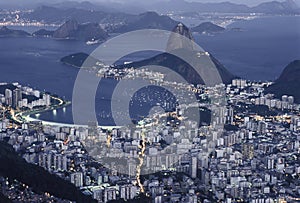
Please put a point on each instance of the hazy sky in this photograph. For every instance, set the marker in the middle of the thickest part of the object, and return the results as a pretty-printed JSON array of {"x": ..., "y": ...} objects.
[
  {"x": 137, "y": 2},
  {"x": 247, "y": 2}
]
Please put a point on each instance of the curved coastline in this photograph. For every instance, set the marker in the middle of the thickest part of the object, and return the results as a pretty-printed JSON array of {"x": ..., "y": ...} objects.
[
  {"x": 61, "y": 104},
  {"x": 28, "y": 118}
]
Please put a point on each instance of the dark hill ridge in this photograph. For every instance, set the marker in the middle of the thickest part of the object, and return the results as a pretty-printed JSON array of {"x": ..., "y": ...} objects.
[
  {"x": 165, "y": 60},
  {"x": 78, "y": 59},
  {"x": 43, "y": 33},
  {"x": 291, "y": 73},
  {"x": 207, "y": 27},
  {"x": 176, "y": 41},
  {"x": 88, "y": 31},
  {"x": 15, "y": 167},
  {"x": 71, "y": 29},
  {"x": 182, "y": 68},
  {"x": 4, "y": 199},
  {"x": 288, "y": 83},
  {"x": 185, "y": 47}
]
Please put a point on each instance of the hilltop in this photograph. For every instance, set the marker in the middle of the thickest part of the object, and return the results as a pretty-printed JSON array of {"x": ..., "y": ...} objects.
[
  {"x": 172, "y": 62},
  {"x": 288, "y": 83},
  {"x": 207, "y": 27}
]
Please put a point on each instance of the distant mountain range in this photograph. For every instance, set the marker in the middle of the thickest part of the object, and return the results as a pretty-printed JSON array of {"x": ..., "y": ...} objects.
[
  {"x": 286, "y": 7},
  {"x": 56, "y": 15},
  {"x": 105, "y": 6},
  {"x": 115, "y": 22},
  {"x": 69, "y": 30},
  {"x": 147, "y": 20},
  {"x": 272, "y": 7},
  {"x": 288, "y": 83},
  {"x": 72, "y": 30},
  {"x": 88, "y": 31},
  {"x": 135, "y": 7},
  {"x": 87, "y": 12}
]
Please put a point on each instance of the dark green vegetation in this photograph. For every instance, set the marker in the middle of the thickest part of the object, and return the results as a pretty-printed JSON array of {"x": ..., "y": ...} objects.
[
  {"x": 207, "y": 27},
  {"x": 204, "y": 113},
  {"x": 79, "y": 59},
  {"x": 43, "y": 33},
  {"x": 166, "y": 60},
  {"x": 41, "y": 181},
  {"x": 76, "y": 60},
  {"x": 4, "y": 199},
  {"x": 230, "y": 127},
  {"x": 288, "y": 83},
  {"x": 182, "y": 68},
  {"x": 261, "y": 110},
  {"x": 6, "y": 32}
]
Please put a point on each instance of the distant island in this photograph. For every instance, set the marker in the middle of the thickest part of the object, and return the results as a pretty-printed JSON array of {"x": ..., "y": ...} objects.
[
  {"x": 6, "y": 32},
  {"x": 77, "y": 60},
  {"x": 207, "y": 27},
  {"x": 288, "y": 83}
]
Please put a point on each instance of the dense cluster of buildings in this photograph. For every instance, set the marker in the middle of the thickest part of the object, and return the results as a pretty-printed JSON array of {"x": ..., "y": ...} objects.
[
  {"x": 17, "y": 97},
  {"x": 243, "y": 155}
]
